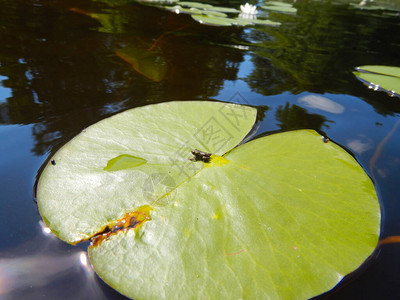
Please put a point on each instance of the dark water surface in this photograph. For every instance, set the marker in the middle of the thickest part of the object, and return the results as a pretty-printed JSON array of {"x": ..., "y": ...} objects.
[{"x": 59, "y": 73}]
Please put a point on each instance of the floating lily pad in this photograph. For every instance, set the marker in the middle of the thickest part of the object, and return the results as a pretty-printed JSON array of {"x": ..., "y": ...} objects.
[
  {"x": 242, "y": 21},
  {"x": 158, "y": 1},
  {"x": 277, "y": 3},
  {"x": 195, "y": 4},
  {"x": 265, "y": 22},
  {"x": 179, "y": 9},
  {"x": 210, "y": 20},
  {"x": 283, "y": 216},
  {"x": 223, "y": 9},
  {"x": 196, "y": 11},
  {"x": 218, "y": 21},
  {"x": 201, "y": 8},
  {"x": 214, "y": 13},
  {"x": 283, "y": 8},
  {"x": 149, "y": 63},
  {"x": 380, "y": 78}
]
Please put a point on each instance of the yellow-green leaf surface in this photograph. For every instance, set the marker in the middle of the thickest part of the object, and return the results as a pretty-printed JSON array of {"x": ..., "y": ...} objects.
[
  {"x": 220, "y": 21},
  {"x": 285, "y": 217},
  {"x": 80, "y": 195},
  {"x": 283, "y": 8},
  {"x": 279, "y": 7},
  {"x": 281, "y": 217}
]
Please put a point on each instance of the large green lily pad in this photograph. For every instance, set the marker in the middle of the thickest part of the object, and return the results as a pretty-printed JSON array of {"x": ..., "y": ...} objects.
[{"x": 284, "y": 216}]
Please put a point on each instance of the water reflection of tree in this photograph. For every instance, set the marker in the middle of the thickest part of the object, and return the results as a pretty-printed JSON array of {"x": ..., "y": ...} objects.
[
  {"x": 64, "y": 74},
  {"x": 317, "y": 49},
  {"x": 295, "y": 117}
]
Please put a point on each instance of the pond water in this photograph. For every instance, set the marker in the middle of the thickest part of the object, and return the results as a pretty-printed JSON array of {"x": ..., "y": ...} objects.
[{"x": 63, "y": 68}]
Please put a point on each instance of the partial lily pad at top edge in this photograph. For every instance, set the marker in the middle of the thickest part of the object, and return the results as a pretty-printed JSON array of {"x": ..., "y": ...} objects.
[
  {"x": 264, "y": 22},
  {"x": 284, "y": 216},
  {"x": 283, "y": 9},
  {"x": 158, "y": 1},
  {"x": 223, "y": 9},
  {"x": 205, "y": 7},
  {"x": 277, "y": 3},
  {"x": 217, "y": 21},
  {"x": 380, "y": 78},
  {"x": 210, "y": 20},
  {"x": 195, "y": 4},
  {"x": 195, "y": 11},
  {"x": 214, "y": 13}
]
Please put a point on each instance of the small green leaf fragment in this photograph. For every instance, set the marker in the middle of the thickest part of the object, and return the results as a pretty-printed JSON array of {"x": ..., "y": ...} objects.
[{"x": 124, "y": 161}]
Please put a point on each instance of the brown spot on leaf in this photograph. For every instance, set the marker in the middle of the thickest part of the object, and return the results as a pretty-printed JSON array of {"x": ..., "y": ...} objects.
[{"x": 132, "y": 220}]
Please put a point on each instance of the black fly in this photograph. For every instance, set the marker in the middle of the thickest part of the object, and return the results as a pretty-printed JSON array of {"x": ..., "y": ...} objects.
[{"x": 200, "y": 155}]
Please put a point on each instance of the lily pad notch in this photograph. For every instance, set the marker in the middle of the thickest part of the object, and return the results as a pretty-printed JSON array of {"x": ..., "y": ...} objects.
[{"x": 282, "y": 216}]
